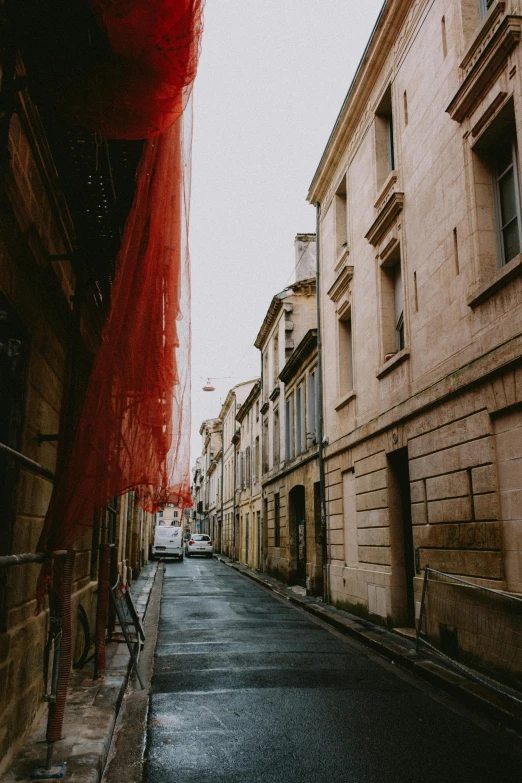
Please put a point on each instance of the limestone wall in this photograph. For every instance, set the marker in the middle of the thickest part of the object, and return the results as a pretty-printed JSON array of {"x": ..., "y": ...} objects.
[{"x": 445, "y": 403}]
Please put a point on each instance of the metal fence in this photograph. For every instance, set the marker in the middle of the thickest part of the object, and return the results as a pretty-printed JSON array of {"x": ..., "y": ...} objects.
[{"x": 477, "y": 628}]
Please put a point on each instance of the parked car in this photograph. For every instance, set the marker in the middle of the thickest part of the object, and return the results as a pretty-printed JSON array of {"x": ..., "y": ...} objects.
[
  {"x": 168, "y": 542},
  {"x": 199, "y": 544}
]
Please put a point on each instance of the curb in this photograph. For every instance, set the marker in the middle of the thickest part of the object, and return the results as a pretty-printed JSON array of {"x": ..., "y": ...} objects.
[
  {"x": 118, "y": 673},
  {"x": 501, "y": 710}
]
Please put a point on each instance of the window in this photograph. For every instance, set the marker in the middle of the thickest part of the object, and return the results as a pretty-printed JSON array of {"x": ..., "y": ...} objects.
[
  {"x": 240, "y": 469},
  {"x": 311, "y": 409},
  {"x": 345, "y": 354},
  {"x": 507, "y": 200},
  {"x": 299, "y": 419},
  {"x": 277, "y": 438},
  {"x": 289, "y": 427},
  {"x": 341, "y": 219},
  {"x": 277, "y": 521},
  {"x": 485, "y": 5},
  {"x": 257, "y": 410},
  {"x": 497, "y": 194},
  {"x": 175, "y": 514},
  {"x": 384, "y": 138},
  {"x": 275, "y": 357},
  {"x": 265, "y": 445},
  {"x": 248, "y": 467},
  {"x": 398, "y": 305},
  {"x": 392, "y": 304}
]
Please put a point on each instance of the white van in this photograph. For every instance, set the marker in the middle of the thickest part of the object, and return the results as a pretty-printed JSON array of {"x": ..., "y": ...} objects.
[{"x": 168, "y": 542}]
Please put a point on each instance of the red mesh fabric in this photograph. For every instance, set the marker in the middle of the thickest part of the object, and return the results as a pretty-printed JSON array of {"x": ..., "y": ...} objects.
[
  {"x": 134, "y": 428},
  {"x": 143, "y": 86},
  {"x": 135, "y": 425}
]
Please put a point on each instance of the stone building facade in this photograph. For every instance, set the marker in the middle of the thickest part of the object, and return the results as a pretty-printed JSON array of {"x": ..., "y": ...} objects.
[
  {"x": 418, "y": 193},
  {"x": 211, "y": 435},
  {"x": 54, "y": 291},
  {"x": 288, "y": 348},
  {"x": 231, "y": 518},
  {"x": 249, "y": 479},
  {"x": 196, "y": 512}
]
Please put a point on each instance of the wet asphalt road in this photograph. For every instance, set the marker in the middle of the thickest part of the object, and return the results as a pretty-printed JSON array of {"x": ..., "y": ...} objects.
[{"x": 248, "y": 689}]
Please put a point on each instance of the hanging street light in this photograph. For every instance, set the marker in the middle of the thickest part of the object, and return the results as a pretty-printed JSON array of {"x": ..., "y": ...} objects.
[{"x": 208, "y": 386}]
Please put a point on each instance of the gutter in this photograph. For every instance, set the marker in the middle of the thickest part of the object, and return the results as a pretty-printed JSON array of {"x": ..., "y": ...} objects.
[{"x": 320, "y": 422}]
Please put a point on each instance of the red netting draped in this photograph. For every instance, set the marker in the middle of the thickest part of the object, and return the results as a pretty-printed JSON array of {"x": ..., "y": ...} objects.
[
  {"x": 135, "y": 425},
  {"x": 140, "y": 88}
]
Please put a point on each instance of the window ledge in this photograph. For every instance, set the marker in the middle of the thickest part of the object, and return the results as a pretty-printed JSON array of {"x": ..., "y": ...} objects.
[
  {"x": 497, "y": 281},
  {"x": 342, "y": 281},
  {"x": 276, "y": 391},
  {"x": 342, "y": 401},
  {"x": 386, "y": 190},
  {"x": 392, "y": 363},
  {"x": 264, "y": 407},
  {"x": 385, "y": 219},
  {"x": 486, "y": 57},
  {"x": 342, "y": 257}
]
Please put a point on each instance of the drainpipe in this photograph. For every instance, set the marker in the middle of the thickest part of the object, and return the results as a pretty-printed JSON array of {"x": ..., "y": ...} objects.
[
  {"x": 250, "y": 488},
  {"x": 261, "y": 532},
  {"x": 235, "y": 488},
  {"x": 320, "y": 420},
  {"x": 222, "y": 524}
]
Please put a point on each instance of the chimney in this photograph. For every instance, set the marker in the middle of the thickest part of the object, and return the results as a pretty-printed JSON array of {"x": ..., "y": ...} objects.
[{"x": 305, "y": 257}]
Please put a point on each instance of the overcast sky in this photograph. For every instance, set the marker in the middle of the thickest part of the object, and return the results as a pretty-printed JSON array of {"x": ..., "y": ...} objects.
[{"x": 271, "y": 82}]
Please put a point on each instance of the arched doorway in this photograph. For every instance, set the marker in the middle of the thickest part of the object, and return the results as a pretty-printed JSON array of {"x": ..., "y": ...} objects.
[{"x": 297, "y": 514}]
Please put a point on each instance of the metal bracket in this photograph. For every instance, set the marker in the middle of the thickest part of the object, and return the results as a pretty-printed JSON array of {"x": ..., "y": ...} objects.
[{"x": 39, "y": 438}]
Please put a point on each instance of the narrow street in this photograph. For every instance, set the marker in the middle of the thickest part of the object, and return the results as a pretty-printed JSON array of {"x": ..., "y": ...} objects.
[{"x": 249, "y": 689}]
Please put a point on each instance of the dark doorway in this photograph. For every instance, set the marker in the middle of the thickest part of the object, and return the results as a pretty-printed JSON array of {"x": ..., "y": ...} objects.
[
  {"x": 14, "y": 350},
  {"x": 237, "y": 542},
  {"x": 316, "y": 587},
  {"x": 259, "y": 539},
  {"x": 401, "y": 539},
  {"x": 298, "y": 531}
]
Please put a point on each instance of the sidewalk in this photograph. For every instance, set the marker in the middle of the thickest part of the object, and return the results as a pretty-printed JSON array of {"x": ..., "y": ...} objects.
[
  {"x": 500, "y": 709},
  {"x": 91, "y": 711}
]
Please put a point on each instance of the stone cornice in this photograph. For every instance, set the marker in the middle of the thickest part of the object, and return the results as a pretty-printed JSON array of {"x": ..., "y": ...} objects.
[
  {"x": 211, "y": 424},
  {"x": 248, "y": 403},
  {"x": 305, "y": 287},
  {"x": 298, "y": 462},
  {"x": 478, "y": 371},
  {"x": 385, "y": 218},
  {"x": 302, "y": 352},
  {"x": 342, "y": 281},
  {"x": 486, "y": 56},
  {"x": 270, "y": 319},
  {"x": 226, "y": 405}
]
